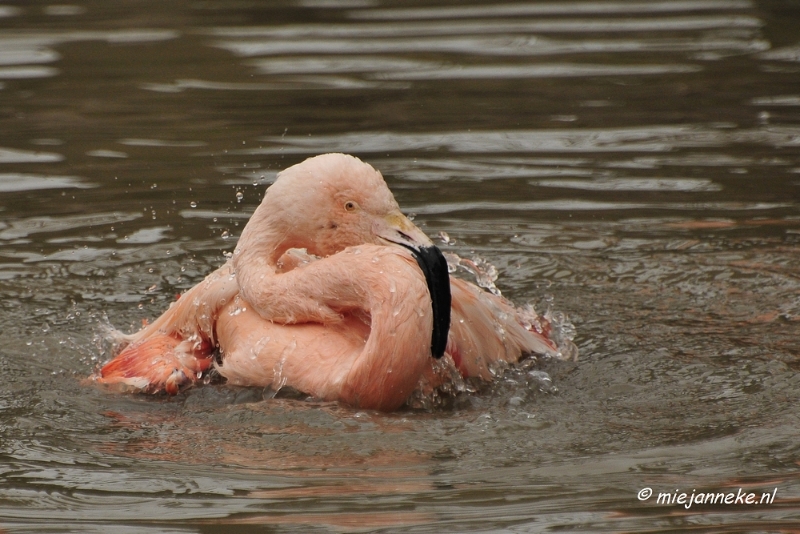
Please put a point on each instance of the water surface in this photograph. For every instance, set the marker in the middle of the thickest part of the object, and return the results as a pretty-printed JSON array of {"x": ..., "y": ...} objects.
[{"x": 634, "y": 165}]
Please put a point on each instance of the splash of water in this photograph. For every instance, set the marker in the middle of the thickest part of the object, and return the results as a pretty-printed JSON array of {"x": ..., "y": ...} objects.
[
  {"x": 426, "y": 397},
  {"x": 542, "y": 381},
  {"x": 553, "y": 324},
  {"x": 484, "y": 272},
  {"x": 563, "y": 332}
]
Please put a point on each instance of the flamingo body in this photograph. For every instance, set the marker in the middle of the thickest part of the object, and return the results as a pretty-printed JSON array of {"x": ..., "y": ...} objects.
[
  {"x": 370, "y": 354},
  {"x": 326, "y": 293}
]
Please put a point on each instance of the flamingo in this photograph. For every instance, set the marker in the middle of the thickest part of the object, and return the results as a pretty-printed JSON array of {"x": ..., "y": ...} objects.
[{"x": 333, "y": 291}]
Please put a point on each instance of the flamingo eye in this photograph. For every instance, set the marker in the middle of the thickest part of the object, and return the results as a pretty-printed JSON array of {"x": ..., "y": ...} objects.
[{"x": 350, "y": 205}]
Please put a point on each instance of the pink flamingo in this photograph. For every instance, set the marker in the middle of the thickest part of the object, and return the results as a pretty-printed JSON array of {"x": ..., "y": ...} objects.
[{"x": 333, "y": 291}]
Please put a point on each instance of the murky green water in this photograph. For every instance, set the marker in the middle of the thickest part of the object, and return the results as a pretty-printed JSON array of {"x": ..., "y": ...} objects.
[{"x": 635, "y": 163}]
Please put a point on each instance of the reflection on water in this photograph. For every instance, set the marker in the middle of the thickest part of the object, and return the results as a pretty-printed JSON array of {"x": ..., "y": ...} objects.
[
  {"x": 549, "y": 8},
  {"x": 635, "y": 165},
  {"x": 16, "y": 181},
  {"x": 654, "y": 138}
]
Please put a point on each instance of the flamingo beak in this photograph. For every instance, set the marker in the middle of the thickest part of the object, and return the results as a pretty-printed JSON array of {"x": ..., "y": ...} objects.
[{"x": 400, "y": 231}]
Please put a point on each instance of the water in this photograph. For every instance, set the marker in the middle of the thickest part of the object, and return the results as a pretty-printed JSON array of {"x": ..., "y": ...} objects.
[{"x": 635, "y": 165}]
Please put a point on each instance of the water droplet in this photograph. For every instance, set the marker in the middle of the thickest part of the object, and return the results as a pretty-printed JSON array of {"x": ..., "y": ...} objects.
[
  {"x": 567, "y": 351},
  {"x": 193, "y": 204},
  {"x": 542, "y": 381},
  {"x": 485, "y": 273},
  {"x": 239, "y": 196}
]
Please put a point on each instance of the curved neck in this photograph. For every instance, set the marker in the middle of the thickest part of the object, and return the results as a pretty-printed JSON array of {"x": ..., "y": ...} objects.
[{"x": 261, "y": 244}]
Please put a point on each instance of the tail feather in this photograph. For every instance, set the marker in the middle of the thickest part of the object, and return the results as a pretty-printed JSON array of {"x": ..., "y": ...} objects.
[
  {"x": 160, "y": 363},
  {"x": 173, "y": 351},
  {"x": 486, "y": 329}
]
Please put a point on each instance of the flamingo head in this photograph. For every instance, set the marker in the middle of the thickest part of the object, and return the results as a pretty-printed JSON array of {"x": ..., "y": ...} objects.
[{"x": 330, "y": 202}]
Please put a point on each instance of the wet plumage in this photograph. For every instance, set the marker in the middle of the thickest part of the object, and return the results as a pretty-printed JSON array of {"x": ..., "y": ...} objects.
[{"x": 328, "y": 291}]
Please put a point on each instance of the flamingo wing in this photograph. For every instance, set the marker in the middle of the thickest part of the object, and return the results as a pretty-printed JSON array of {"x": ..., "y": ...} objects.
[
  {"x": 486, "y": 329},
  {"x": 354, "y": 327}
]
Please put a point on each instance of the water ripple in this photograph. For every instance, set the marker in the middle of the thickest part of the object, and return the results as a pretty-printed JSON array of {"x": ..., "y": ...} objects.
[
  {"x": 387, "y": 68},
  {"x": 505, "y": 45},
  {"x": 160, "y": 143},
  {"x": 477, "y": 169},
  {"x": 34, "y": 225},
  {"x": 589, "y": 205},
  {"x": 15, "y": 181},
  {"x": 24, "y": 72},
  {"x": 304, "y": 83},
  {"x": 20, "y": 49},
  {"x": 783, "y": 100},
  {"x": 10, "y": 56},
  {"x": 547, "y": 8},
  {"x": 392, "y": 30},
  {"x": 8, "y": 11},
  {"x": 633, "y": 184},
  {"x": 13, "y": 155},
  {"x": 538, "y": 71},
  {"x": 788, "y": 53},
  {"x": 653, "y": 138}
]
